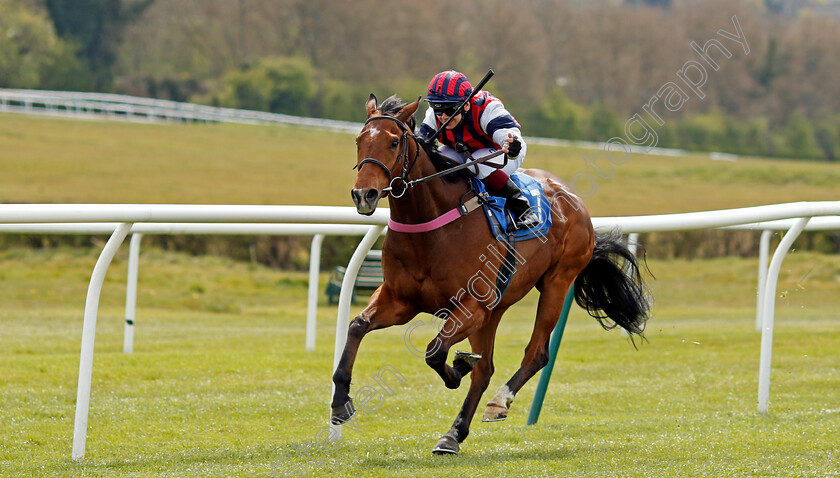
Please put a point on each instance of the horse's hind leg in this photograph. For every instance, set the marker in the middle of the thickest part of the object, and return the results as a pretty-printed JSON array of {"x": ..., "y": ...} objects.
[
  {"x": 536, "y": 352},
  {"x": 481, "y": 343},
  {"x": 382, "y": 311}
]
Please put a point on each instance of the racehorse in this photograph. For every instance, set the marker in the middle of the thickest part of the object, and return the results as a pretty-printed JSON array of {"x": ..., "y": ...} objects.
[{"x": 431, "y": 272}]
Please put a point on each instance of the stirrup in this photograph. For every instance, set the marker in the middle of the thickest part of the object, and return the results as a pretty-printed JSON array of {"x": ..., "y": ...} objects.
[{"x": 529, "y": 221}]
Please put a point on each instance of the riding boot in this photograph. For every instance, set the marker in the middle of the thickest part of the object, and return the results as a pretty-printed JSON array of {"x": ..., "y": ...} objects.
[{"x": 518, "y": 205}]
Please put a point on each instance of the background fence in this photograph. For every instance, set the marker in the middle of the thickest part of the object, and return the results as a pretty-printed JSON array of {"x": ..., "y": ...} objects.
[{"x": 144, "y": 110}]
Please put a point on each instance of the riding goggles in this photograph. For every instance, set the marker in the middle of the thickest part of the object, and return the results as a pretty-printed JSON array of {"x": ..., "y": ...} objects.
[{"x": 447, "y": 109}]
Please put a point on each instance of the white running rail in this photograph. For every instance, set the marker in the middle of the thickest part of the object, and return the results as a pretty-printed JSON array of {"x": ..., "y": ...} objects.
[
  {"x": 131, "y": 216},
  {"x": 318, "y": 231}
]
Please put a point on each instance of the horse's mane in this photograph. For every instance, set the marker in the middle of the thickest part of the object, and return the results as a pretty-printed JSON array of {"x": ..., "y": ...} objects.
[{"x": 393, "y": 105}]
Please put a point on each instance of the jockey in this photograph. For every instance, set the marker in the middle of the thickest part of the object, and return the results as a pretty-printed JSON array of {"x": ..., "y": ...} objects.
[{"x": 483, "y": 127}]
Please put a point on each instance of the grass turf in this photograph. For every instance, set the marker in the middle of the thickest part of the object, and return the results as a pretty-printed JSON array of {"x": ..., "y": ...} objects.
[
  {"x": 220, "y": 384},
  {"x": 63, "y": 161}
]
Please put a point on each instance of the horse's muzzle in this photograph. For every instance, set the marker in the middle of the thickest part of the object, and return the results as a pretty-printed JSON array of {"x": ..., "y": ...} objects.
[{"x": 365, "y": 200}]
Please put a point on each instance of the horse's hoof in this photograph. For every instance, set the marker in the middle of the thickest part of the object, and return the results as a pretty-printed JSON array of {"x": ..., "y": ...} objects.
[
  {"x": 494, "y": 413},
  {"x": 446, "y": 446},
  {"x": 465, "y": 361},
  {"x": 468, "y": 357},
  {"x": 342, "y": 413},
  {"x": 498, "y": 406}
]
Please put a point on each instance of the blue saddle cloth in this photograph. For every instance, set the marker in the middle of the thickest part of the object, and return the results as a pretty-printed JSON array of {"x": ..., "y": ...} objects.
[{"x": 501, "y": 221}]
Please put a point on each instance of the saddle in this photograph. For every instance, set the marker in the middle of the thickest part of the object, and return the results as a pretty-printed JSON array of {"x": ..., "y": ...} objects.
[{"x": 501, "y": 221}]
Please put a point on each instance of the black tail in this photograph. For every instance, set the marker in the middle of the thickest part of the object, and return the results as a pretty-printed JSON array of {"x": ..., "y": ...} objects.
[{"x": 611, "y": 289}]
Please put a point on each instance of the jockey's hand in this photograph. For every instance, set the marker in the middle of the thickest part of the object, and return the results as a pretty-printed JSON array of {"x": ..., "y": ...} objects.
[{"x": 512, "y": 146}]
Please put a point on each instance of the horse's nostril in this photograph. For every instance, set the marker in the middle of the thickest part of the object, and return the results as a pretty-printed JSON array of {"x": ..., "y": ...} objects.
[
  {"x": 356, "y": 195},
  {"x": 372, "y": 195}
]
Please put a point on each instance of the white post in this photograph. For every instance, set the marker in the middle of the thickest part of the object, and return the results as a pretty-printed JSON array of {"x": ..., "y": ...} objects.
[
  {"x": 312, "y": 306},
  {"x": 131, "y": 291},
  {"x": 343, "y": 319},
  {"x": 632, "y": 246},
  {"x": 763, "y": 253},
  {"x": 88, "y": 336},
  {"x": 769, "y": 305},
  {"x": 633, "y": 242}
]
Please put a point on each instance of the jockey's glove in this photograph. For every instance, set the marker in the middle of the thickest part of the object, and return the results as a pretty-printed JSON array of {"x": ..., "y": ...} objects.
[{"x": 514, "y": 148}]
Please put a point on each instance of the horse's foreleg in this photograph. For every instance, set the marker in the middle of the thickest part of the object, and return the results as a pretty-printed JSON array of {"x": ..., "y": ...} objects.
[
  {"x": 482, "y": 343},
  {"x": 536, "y": 352},
  {"x": 382, "y": 311}
]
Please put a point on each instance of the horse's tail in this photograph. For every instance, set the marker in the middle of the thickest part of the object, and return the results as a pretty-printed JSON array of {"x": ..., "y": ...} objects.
[{"x": 611, "y": 289}]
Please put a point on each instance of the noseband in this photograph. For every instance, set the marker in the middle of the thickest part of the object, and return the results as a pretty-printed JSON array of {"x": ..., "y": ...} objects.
[{"x": 401, "y": 158}]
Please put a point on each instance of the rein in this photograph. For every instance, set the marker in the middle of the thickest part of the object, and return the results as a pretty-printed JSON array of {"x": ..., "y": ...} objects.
[
  {"x": 402, "y": 158},
  {"x": 459, "y": 167},
  {"x": 406, "y": 168}
]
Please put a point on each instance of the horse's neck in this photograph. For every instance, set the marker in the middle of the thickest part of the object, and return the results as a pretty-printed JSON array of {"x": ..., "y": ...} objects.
[
  {"x": 419, "y": 255},
  {"x": 426, "y": 201}
]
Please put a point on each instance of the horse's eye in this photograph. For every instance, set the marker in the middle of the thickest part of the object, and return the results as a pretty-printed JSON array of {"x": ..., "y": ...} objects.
[{"x": 395, "y": 143}]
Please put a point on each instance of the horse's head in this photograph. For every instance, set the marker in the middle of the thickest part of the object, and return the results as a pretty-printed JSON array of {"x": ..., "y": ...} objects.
[{"x": 382, "y": 150}]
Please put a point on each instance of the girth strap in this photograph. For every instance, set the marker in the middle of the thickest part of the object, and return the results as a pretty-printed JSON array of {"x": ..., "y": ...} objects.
[{"x": 507, "y": 268}]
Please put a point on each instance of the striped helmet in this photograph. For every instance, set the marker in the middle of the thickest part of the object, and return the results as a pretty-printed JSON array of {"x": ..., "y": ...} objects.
[{"x": 448, "y": 87}]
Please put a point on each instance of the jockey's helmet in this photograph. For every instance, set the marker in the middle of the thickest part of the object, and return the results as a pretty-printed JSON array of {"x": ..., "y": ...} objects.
[{"x": 448, "y": 87}]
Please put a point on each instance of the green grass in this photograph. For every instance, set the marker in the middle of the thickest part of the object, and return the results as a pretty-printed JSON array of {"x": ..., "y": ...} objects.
[
  {"x": 220, "y": 384},
  {"x": 63, "y": 161}
]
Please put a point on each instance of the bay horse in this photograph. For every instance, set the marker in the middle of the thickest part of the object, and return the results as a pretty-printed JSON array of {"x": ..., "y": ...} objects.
[{"x": 430, "y": 272}]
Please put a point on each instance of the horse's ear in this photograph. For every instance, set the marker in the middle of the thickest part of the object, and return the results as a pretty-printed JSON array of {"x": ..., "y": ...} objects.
[
  {"x": 371, "y": 106},
  {"x": 408, "y": 111}
]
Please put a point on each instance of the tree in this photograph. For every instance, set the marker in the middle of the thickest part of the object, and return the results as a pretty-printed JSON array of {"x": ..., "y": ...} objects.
[
  {"x": 31, "y": 55},
  {"x": 96, "y": 26},
  {"x": 604, "y": 123},
  {"x": 558, "y": 117},
  {"x": 650, "y": 3},
  {"x": 827, "y": 135},
  {"x": 799, "y": 138},
  {"x": 283, "y": 85}
]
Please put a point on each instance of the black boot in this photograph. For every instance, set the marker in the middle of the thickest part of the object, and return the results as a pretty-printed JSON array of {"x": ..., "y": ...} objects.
[{"x": 518, "y": 205}]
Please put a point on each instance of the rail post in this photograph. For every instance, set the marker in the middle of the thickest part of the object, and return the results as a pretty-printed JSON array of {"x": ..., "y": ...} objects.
[
  {"x": 769, "y": 310},
  {"x": 343, "y": 319},
  {"x": 131, "y": 292},
  {"x": 88, "y": 337},
  {"x": 763, "y": 253},
  {"x": 312, "y": 301}
]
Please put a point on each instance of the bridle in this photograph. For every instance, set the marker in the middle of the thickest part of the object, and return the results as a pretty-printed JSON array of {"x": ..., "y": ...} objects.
[
  {"x": 402, "y": 158},
  {"x": 406, "y": 167}
]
